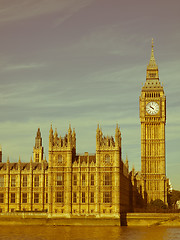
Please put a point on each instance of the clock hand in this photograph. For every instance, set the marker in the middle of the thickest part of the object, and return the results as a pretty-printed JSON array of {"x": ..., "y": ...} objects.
[{"x": 151, "y": 107}]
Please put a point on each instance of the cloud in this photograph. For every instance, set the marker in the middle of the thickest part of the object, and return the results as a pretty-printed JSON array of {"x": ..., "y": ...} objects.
[
  {"x": 20, "y": 9},
  {"x": 72, "y": 10},
  {"x": 23, "y": 66}
]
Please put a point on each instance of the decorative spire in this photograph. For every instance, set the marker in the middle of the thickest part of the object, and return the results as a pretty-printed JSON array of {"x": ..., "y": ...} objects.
[
  {"x": 55, "y": 137},
  {"x": 117, "y": 129},
  {"x": 98, "y": 136},
  {"x": 38, "y": 133},
  {"x": 98, "y": 129},
  {"x": 55, "y": 133},
  {"x": 133, "y": 170},
  {"x": 51, "y": 132},
  {"x": 127, "y": 163},
  {"x": 74, "y": 136},
  {"x": 152, "y": 62},
  {"x": 126, "y": 159},
  {"x": 19, "y": 163},
  {"x": 117, "y": 136},
  {"x": 69, "y": 130},
  {"x": 152, "y": 68},
  {"x": 38, "y": 139}
]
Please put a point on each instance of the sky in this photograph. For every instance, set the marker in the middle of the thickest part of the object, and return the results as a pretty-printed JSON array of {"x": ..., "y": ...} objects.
[{"x": 83, "y": 62}]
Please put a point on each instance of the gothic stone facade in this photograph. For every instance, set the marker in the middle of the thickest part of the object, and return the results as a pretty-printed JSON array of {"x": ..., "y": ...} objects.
[
  {"x": 100, "y": 184},
  {"x": 69, "y": 184}
]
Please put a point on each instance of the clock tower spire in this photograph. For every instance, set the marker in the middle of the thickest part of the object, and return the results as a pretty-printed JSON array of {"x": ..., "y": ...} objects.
[
  {"x": 152, "y": 103},
  {"x": 152, "y": 68}
]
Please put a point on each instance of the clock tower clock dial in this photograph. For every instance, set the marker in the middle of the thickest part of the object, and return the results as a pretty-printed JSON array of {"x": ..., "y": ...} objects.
[
  {"x": 152, "y": 103},
  {"x": 152, "y": 108}
]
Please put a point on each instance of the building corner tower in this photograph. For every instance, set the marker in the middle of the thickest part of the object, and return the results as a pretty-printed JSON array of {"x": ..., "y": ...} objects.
[
  {"x": 152, "y": 103},
  {"x": 38, "y": 148}
]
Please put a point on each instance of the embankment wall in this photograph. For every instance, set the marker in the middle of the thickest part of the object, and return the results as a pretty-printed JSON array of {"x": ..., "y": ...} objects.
[{"x": 129, "y": 219}]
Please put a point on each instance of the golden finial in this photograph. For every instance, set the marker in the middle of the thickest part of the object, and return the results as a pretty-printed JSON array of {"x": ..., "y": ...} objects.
[
  {"x": 152, "y": 42},
  {"x": 69, "y": 130}
]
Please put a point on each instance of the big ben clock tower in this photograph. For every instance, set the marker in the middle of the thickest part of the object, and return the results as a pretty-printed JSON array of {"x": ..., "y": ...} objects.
[{"x": 152, "y": 104}]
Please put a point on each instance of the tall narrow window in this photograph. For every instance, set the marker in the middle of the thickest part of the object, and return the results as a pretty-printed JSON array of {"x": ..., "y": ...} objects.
[
  {"x": 37, "y": 157},
  {"x": 75, "y": 179},
  {"x": 107, "y": 179},
  {"x": 74, "y": 197},
  {"x": 59, "y": 179},
  {"x": 36, "y": 181},
  {"x": 107, "y": 197},
  {"x": 59, "y": 197},
  {"x": 46, "y": 197},
  {"x": 24, "y": 180},
  {"x": 36, "y": 197},
  {"x": 92, "y": 179},
  {"x": 2, "y": 181},
  {"x": 13, "y": 180},
  {"x": 83, "y": 197},
  {"x": 46, "y": 180},
  {"x": 13, "y": 197},
  {"x": 92, "y": 197},
  {"x": 24, "y": 198},
  {"x": 1, "y": 197},
  {"x": 83, "y": 179}
]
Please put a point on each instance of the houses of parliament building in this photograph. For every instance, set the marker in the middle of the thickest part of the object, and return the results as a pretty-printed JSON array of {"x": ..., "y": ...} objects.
[{"x": 99, "y": 185}]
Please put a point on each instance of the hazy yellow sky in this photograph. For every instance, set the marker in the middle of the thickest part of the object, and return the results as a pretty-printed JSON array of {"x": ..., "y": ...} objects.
[{"x": 83, "y": 62}]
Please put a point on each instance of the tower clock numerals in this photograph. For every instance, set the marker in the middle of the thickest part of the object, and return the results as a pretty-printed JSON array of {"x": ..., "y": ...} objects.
[{"x": 152, "y": 108}]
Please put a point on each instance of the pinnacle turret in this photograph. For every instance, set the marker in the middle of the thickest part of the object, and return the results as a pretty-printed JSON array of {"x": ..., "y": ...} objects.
[
  {"x": 38, "y": 148},
  {"x": 69, "y": 140},
  {"x": 51, "y": 131},
  {"x": 38, "y": 139},
  {"x": 117, "y": 136}
]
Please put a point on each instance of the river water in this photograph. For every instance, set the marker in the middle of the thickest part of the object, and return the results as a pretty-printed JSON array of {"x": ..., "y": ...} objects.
[{"x": 88, "y": 233}]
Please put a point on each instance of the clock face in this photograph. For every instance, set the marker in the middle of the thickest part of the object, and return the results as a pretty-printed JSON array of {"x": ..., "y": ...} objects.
[{"x": 152, "y": 108}]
